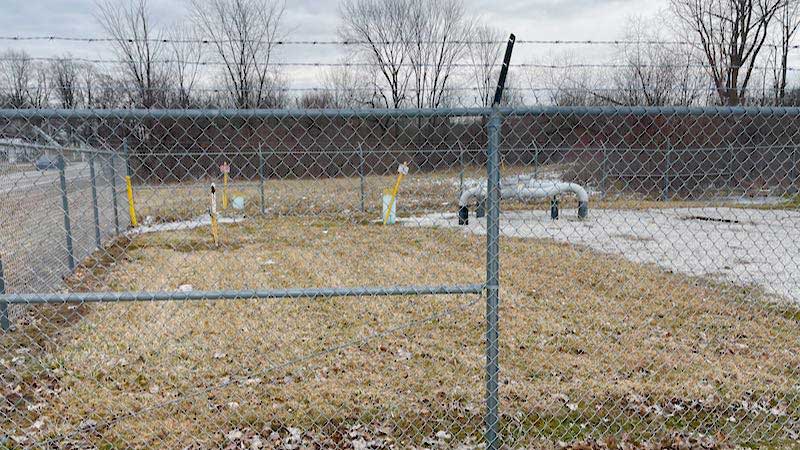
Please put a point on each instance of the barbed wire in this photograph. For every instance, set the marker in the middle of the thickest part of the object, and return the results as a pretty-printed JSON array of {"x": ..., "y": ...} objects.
[
  {"x": 117, "y": 87},
  {"x": 371, "y": 64},
  {"x": 93, "y": 40}
]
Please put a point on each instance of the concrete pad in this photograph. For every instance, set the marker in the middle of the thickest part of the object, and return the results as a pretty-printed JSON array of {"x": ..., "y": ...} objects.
[{"x": 745, "y": 246}]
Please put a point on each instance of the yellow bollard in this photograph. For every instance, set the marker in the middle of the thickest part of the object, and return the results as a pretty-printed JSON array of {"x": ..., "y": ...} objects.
[
  {"x": 225, "y": 168},
  {"x": 131, "y": 206},
  {"x": 401, "y": 172}
]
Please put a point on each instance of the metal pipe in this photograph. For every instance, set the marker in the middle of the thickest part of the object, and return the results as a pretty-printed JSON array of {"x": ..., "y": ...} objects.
[
  {"x": 361, "y": 174},
  {"x": 524, "y": 188},
  {"x": 261, "y": 178},
  {"x": 62, "y": 177},
  {"x": 103, "y": 297},
  {"x": 492, "y": 419},
  {"x": 492, "y": 285},
  {"x": 137, "y": 114},
  {"x": 5, "y": 324},
  {"x": 114, "y": 192},
  {"x": 665, "y": 195},
  {"x": 95, "y": 210},
  {"x": 604, "y": 172}
]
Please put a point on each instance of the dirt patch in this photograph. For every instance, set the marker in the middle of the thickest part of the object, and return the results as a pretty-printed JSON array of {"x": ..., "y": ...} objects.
[
  {"x": 713, "y": 219},
  {"x": 632, "y": 237}
]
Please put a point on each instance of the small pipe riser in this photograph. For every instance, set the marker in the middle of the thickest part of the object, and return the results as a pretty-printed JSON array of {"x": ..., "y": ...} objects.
[
  {"x": 554, "y": 208},
  {"x": 463, "y": 215},
  {"x": 583, "y": 210}
]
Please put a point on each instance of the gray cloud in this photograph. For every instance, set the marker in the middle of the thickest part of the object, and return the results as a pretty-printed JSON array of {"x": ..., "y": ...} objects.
[{"x": 318, "y": 20}]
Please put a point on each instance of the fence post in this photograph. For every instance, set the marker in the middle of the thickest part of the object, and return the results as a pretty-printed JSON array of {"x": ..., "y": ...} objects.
[
  {"x": 65, "y": 207},
  {"x": 793, "y": 171},
  {"x": 604, "y": 171},
  {"x": 361, "y": 174},
  {"x": 535, "y": 161},
  {"x": 95, "y": 210},
  {"x": 461, "y": 164},
  {"x": 491, "y": 421},
  {"x": 665, "y": 195},
  {"x": 492, "y": 282},
  {"x": 5, "y": 325},
  {"x": 730, "y": 183},
  {"x": 126, "y": 152},
  {"x": 261, "y": 177},
  {"x": 114, "y": 192}
]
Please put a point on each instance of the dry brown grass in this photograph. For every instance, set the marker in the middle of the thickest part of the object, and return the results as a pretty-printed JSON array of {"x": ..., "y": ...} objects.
[
  {"x": 591, "y": 344},
  {"x": 337, "y": 197}
]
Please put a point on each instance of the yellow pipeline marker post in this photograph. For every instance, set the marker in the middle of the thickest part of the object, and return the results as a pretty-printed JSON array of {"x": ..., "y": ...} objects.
[
  {"x": 213, "y": 214},
  {"x": 225, "y": 168},
  {"x": 131, "y": 207},
  {"x": 401, "y": 172}
]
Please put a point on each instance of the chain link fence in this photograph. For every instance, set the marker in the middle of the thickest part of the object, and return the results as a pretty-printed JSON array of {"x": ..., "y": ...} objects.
[
  {"x": 320, "y": 278},
  {"x": 62, "y": 203}
]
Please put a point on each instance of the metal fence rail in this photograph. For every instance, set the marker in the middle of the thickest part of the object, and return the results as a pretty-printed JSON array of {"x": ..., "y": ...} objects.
[{"x": 358, "y": 254}]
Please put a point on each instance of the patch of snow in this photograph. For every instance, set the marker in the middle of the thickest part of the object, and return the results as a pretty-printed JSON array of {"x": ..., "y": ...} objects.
[
  {"x": 744, "y": 246},
  {"x": 197, "y": 222}
]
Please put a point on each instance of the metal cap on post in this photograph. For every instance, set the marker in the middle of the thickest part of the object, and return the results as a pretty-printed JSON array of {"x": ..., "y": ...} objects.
[{"x": 491, "y": 421}]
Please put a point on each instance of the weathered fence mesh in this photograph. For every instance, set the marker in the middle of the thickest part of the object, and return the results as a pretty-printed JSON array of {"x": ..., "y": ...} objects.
[{"x": 315, "y": 314}]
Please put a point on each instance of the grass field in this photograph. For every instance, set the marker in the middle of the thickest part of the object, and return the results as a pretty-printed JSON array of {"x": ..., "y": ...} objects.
[
  {"x": 341, "y": 197},
  {"x": 591, "y": 345}
]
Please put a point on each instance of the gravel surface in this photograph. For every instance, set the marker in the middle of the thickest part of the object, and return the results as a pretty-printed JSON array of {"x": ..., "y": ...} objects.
[{"x": 746, "y": 246}]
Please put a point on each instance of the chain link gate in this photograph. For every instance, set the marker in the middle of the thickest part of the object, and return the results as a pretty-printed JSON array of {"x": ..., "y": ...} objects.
[{"x": 667, "y": 315}]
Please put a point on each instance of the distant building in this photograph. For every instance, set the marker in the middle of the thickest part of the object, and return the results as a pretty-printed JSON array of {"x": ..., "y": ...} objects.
[{"x": 15, "y": 150}]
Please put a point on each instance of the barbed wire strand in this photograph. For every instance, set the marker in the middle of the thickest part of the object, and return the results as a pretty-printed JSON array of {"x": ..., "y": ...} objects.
[
  {"x": 368, "y": 64},
  {"x": 93, "y": 40}
]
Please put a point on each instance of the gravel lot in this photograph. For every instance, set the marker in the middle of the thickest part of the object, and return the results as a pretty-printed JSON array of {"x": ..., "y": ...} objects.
[{"x": 746, "y": 246}]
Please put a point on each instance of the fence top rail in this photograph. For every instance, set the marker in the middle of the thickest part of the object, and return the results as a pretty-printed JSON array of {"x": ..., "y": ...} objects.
[
  {"x": 60, "y": 149},
  {"x": 393, "y": 112}
]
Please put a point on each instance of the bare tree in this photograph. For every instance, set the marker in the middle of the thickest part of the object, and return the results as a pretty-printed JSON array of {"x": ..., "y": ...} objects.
[
  {"x": 39, "y": 92},
  {"x": 139, "y": 44},
  {"x": 562, "y": 81},
  {"x": 65, "y": 81},
  {"x": 653, "y": 72},
  {"x": 23, "y": 81},
  {"x": 380, "y": 28},
  {"x": 88, "y": 76},
  {"x": 16, "y": 75},
  {"x": 317, "y": 99},
  {"x": 414, "y": 45},
  {"x": 186, "y": 51},
  {"x": 348, "y": 88},
  {"x": 787, "y": 21},
  {"x": 243, "y": 34},
  {"x": 730, "y": 34},
  {"x": 436, "y": 41},
  {"x": 484, "y": 53}
]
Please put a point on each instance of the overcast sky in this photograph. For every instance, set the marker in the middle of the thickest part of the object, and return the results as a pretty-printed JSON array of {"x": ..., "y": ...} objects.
[{"x": 318, "y": 20}]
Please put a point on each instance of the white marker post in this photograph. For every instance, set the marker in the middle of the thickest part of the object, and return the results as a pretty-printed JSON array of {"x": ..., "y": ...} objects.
[{"x": 213, "y": 214}]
